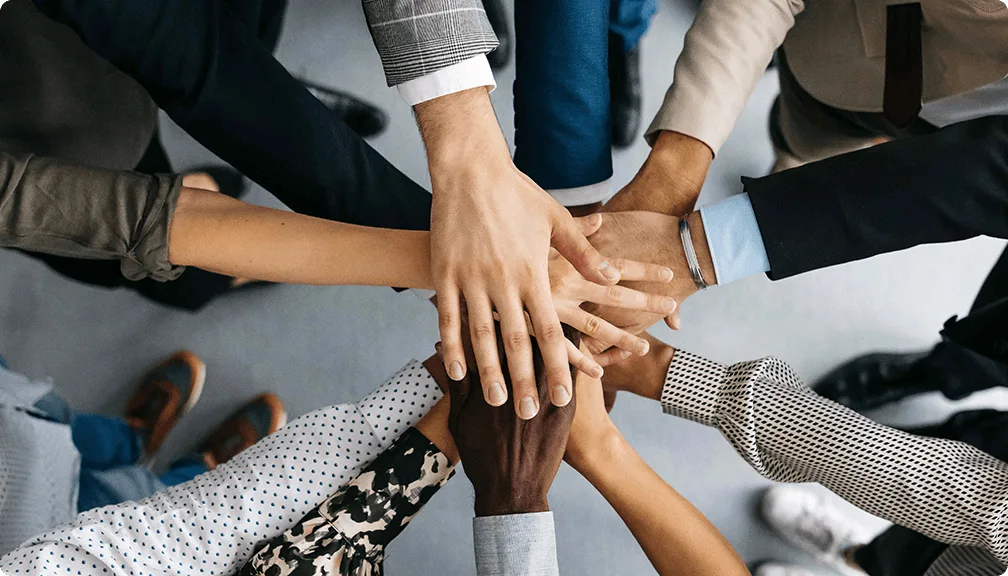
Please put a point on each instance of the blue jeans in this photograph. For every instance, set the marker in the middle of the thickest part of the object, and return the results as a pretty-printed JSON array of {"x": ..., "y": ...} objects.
[
  {"x": 110, "y": 451},
  {"x": 561, "y": 88}
]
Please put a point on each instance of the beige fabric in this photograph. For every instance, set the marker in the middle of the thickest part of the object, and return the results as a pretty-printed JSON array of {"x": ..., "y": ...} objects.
[
  {"x": 58, "y": 208},
  {"x": 836, "y": 50}
]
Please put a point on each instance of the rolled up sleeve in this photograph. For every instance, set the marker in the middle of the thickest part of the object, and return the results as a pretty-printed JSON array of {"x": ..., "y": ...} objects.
[{"x": 58, "y": 208}]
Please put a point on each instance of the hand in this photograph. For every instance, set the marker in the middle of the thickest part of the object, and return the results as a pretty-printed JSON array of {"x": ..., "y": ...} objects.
[
  {"x": 511, "y": 462},
  {"x": 640, "y": 375},
  {"x": 649, "y": 236},
  {"x": 491, "y": 230},
  {"x": 570, "y": 290},
  {"x": 670, "y": 179}
]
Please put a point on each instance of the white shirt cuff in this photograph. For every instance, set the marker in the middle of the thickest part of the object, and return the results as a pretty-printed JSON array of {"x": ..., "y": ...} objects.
[
  {"x": 598, "y": 192},
  {"x": 471, "y": 73}
]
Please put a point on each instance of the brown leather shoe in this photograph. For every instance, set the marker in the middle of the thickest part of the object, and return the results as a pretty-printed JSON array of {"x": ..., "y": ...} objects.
[{"x": 166, "y": 394}]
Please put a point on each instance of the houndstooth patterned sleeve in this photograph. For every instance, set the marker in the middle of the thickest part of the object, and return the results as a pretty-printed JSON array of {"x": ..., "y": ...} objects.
[
  {"x": 947, "y": 490},
  {"x": 418, "y": 37}
]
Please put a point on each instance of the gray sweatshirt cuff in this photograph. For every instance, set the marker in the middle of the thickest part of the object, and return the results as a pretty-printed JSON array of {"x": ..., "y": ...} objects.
[{"x": 515, "y": 545}]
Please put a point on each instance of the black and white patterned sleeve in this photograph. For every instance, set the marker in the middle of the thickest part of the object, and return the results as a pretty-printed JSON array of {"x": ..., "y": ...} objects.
[
  {"x": 347, "y": 534},
  {"x": 946, "y": 490}
]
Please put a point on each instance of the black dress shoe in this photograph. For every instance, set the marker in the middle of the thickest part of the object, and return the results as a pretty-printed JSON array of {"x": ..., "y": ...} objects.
[
  {"x": 497, "y": 14},
  {"x": 874, "y": 380},
  {"x": 363, "y": 118},
  {"x": 624, "y": 92},
  {"x": 229, "y": 180}
]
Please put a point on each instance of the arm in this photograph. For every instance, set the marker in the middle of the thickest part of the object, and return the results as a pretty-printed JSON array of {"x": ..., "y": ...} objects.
[
  {"x": 725, "y": 53},
  {"x": 676, "y": 537},
  {"x": 491, "y": 230},
  {"x": 223, "y": 515},
  {"x": 946, "y": 490},
  {"x": 511, "y": 463},
  {"x": 210, "y": 73},
  {"x": 943, "y": 187}
]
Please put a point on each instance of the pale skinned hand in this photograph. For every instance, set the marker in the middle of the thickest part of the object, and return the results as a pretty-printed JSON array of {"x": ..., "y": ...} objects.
[
  {"x": 491, "y": 231},
  {"x": 648, "y": 236}
]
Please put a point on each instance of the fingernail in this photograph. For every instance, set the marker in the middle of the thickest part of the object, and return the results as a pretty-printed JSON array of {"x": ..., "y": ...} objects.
[
  {"x": 497, "y": 395},
  {"x": 597, "y": 372},
  {"x": 608, "y": 271},
  {"x": 455, "y": 371},
  {"x": 561, "y": 397},
  {"x": 666, "y": 275},
  {"x": 624, "y": 354},
  {"x": 669, "y": 304},
  {"x": 642, "y": 347},
  {"x": 527, "y": 408}
]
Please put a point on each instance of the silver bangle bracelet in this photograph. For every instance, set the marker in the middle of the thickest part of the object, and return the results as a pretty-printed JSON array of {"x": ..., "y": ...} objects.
[{"x": 691, "y": 259}]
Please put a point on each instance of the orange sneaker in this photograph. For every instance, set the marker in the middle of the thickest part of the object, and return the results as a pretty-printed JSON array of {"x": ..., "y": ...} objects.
[
  {"x": 166, "y": 394},
  {"x": 262, "y": 416}
]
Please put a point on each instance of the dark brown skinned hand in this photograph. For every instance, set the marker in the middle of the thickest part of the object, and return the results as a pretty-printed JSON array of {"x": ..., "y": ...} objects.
[{"x": 511, "y": 462}]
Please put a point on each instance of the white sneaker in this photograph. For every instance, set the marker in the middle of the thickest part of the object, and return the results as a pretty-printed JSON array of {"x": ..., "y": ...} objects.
[
  {"x": 777, "y": 569},
  {"x": 812, "y": 524}
]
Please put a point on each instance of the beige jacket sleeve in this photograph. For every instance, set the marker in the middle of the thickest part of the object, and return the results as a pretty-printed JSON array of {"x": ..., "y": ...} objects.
[
  {"x": 59, "y": 208},
  {"x": 726, "y": 51}
]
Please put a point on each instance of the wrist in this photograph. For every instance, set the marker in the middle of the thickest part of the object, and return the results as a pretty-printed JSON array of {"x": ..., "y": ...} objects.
[
  {"x": 596, "y": 457},
  {"x": 507, "y": 502},
  {"x": 670, "y": 179},
  {"x": 699, "y": 237},
  {"x": 459, "y": 127}
]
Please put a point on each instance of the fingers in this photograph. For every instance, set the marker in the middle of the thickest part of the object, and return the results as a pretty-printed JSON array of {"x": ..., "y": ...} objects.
[
  {"x": 484, "y": 346},
  {"x": 612, "y": 356},
  {"x": 582, "y": 361},
  {"x": 450, "y": 326},
  {"x": 642, "y": 271},
  {"x": 571, "y": 243},
  {"x": 589, "y": 224},
  {"x": 518, "y": 349},
  {"x": 622, "y": 297},
  {"x": 550, "y": 338},
  {"x": 604, "y": 333},
  {"x": 672, "y": 320}
]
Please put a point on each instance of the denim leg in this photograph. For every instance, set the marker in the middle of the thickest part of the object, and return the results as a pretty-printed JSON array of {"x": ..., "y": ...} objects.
[
  {"x": 105, "y": 442},
  {"x": 116, "y": 485},
  {"x": 184, "y": 470},
  {"x": 561, "y": 92},
  {"x": 629, "y": 20}
]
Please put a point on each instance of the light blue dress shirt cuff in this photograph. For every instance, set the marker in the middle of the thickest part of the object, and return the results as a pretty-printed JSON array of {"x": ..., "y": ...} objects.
[
  {"x": 733, "y": 236},
  {"x": 515, "y": 545}
]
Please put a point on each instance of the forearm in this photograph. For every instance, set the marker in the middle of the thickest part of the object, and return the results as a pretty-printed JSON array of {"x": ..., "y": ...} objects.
[
  {"x": 670, "y": 179},
  {"x": 227, "y": 236},
  {"x": 53, "y": 207},
  {"x": 457, "y": 129},
  {"x": 943, "y": 187},
  {"x": 947, "y": 490},
  {"x": 725, "y": 53},
  {"x": 675, "y": 536}
]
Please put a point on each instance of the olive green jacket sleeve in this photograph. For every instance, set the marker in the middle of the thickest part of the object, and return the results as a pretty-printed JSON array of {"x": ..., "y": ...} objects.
[{"x": 59, "y": 208}]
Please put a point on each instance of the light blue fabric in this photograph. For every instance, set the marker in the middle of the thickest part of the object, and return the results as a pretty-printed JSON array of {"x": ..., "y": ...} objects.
[
  {"x": 734, "y": 238},
  {"x": 515, "y": 545}
]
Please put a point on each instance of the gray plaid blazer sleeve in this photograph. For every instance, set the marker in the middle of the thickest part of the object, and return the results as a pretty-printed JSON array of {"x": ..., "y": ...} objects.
[{"x": 418, "y": 37}]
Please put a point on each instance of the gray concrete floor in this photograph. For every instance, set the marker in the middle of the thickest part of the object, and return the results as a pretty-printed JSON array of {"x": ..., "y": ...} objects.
[{"x": 318, "y": 346}]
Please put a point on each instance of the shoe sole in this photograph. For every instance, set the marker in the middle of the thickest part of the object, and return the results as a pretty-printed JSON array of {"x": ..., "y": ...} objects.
[{"x": 195, "y": 391}]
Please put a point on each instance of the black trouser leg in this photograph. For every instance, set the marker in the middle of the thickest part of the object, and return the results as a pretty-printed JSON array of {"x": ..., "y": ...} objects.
[{"x": 995, "y": 287}]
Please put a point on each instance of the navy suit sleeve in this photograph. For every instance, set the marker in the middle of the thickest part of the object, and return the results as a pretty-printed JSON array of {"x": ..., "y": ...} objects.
[
  {"x": 943, "y": 187},
  {"x": 214, "y": 77}
]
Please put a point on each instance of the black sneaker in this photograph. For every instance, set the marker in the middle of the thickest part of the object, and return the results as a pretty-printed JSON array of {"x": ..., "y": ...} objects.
[
  {"x": 874, "y": 380},
  {"x": 497, "y": 14},
  {"x": 364, "y": 118},
  {"x": 624, "y": 92}
]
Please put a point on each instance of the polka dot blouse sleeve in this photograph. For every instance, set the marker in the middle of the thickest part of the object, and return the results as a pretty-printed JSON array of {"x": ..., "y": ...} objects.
[
  {"x": 212, "y": 524},
  {"x": 946, "y": 490}
]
